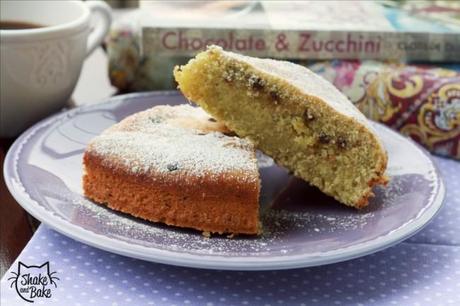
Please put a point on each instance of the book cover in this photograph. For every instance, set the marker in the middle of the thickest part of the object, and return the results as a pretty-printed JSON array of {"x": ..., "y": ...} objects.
[{"x": 296, "y": 30}]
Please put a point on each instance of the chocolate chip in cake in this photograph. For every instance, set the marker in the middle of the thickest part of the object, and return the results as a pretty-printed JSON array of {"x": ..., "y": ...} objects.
[
  {"x": 172, "y": 167},
  {"x": 155, "y": 120},
  {"x": 229, "y": 73},
  {"x": 229, "y": 133},
  {"x": 341, "y": 142},
  {"x": 308, "y": 116},
  {"x": 212, "y": 120},
  {"x": 256, "y": 83},
  {"x": 275, "y": 97},
  {"x": 324, "y": 138}
]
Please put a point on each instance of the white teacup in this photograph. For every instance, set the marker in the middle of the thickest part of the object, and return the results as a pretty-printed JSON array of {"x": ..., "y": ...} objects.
[{"x": 40, "y": 66}]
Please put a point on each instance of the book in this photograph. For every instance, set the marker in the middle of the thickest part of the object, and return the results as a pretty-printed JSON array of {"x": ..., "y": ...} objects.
[
  {"x": 296, "y": 30},
  {"x": 417, "y": 100}
]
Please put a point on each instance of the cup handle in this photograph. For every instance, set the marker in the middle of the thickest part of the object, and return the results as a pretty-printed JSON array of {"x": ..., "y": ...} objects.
[{"x": 102, "y": 27}]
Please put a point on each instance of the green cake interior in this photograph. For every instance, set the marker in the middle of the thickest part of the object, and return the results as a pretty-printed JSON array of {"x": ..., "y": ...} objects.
[{"x": 301, "y": 132}]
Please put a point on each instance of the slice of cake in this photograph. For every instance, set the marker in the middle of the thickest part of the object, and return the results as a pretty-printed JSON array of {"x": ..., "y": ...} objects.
[
  {"x": 299, "y": 119},
  {"x": 178, "y": 166}
]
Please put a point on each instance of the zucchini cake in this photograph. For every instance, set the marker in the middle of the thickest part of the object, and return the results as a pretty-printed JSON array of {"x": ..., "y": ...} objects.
[
  {"x": 176, "y": 165},
  {"x": 293, "y": 115}
]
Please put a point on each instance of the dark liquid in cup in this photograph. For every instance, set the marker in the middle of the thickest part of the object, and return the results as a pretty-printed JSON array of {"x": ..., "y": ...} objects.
[{"x": 18, "y": 25}]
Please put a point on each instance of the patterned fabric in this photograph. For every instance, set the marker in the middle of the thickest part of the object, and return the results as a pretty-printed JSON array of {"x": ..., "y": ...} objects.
[
  {"x": 124, "y": 58},
  {"x": 420, "y": 102},
  {"x": 130, "y": 70},
  {"x": 423, "y": 270}
]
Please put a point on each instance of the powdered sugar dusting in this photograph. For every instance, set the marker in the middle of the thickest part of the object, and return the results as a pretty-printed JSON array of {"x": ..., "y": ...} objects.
[
  {"x": 279, "y": 221},
  {"x": 279, "y": 226},
  {"x": 155, "y": 141},
  {"x": 304, "y": 79},
  {"x": 309, "y": 84}
]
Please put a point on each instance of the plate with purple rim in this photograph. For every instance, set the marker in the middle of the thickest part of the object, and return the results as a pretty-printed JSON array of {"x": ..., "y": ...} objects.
[{"x": 301, "y": 226}]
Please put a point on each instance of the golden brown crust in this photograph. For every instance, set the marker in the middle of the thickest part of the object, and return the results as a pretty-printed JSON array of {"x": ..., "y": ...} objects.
[
  {"x": 217, "y": 206},
  {"x": 379, "y": 179},
  {"x": 174, "y": 165}
]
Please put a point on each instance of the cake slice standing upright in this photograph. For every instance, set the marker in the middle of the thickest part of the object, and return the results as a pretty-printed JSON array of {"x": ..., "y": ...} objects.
[{"x": 299, "y": 119}]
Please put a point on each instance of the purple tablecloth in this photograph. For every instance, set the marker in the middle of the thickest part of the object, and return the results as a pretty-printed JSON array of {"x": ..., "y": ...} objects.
[{"x": 424, "y": 270}]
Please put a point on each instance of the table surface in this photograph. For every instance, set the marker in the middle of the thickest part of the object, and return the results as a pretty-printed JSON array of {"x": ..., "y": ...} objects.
[
  {"x": 16, "y": 226},
  {"x": 422, "y": 270}
]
